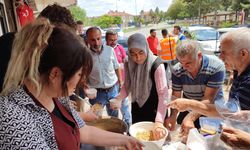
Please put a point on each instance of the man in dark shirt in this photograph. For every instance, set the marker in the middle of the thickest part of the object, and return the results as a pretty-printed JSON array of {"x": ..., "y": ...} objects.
[{"x": 235, "y": 52}]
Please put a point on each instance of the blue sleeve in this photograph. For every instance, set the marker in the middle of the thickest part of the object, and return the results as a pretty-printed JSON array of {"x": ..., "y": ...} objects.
[
  {"x": 182, "y": 37},
  {"x": 216, "y": 80},
  {"x": 176, "y": 83}
]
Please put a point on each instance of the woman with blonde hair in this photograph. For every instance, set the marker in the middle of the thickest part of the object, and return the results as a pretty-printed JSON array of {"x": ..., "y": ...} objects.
[{"x": 48, "y": 62}]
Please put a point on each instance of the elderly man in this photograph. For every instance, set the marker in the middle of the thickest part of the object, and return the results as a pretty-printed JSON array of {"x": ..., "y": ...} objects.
[
  {"x": 235, "y": 52},
  {"x": 105, "y": 73},
  {"x": 196, "y": 76}
]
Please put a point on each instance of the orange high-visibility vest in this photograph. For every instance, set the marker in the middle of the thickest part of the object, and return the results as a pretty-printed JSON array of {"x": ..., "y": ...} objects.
[{"x": 167, "y": 48}]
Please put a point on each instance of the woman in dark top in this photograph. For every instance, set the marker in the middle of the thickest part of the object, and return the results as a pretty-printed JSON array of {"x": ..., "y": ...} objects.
[{"x": 145, "y": 80}]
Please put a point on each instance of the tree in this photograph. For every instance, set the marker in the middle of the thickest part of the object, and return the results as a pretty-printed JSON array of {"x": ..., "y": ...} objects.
[
  {"x": 152, "y": 15},
  {"x": 117, "y": 20},
  {"x": 246, "y": 6},
  {"x": 78, "y": 13},
  {"x": 175, "y": 8},
  {"x": 106, "y": 21}
]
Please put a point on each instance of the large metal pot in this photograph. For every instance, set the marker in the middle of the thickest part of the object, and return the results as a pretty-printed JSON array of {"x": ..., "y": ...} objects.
[{"x": 111, "y": 124}]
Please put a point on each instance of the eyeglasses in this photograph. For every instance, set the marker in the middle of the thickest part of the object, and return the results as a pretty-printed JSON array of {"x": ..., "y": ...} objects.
[{"x": 217, "y": 53}]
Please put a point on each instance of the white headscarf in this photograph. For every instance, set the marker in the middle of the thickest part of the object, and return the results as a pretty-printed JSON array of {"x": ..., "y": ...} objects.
[{"x": 138, "y": 81}]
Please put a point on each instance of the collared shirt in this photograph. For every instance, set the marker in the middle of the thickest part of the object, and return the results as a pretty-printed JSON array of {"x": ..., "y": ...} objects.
[
  {"x": 240, "y": 89},
  {"x": 103, "y": 73},
  {"x": 211, "y": 75},
  {"x": 25, "y": 125},
  {"x": 120, "y": 53}
]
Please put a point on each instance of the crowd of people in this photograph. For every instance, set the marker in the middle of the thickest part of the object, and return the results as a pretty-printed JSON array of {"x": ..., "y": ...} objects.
[{"x": 50, "y": 58}]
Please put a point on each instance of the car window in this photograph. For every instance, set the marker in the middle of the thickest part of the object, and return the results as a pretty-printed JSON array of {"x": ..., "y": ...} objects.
[{"x": 206, "y": 34}]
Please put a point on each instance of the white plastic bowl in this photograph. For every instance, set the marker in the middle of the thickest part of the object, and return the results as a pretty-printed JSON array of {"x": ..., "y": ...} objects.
[
  {"x": 91, "y": 93},
  {"x": 146, "y": 125}
]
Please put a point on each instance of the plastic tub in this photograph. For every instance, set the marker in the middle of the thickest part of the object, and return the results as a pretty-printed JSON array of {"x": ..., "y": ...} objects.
[
  {"x": 147, "y": 126},
  {"x": 91, "y": 93}
]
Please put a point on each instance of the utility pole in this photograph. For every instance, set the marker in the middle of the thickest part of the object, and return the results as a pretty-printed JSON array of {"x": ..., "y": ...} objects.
[
  {"x": 116, "y": 5},
  {"x": 135, "y": 8}
]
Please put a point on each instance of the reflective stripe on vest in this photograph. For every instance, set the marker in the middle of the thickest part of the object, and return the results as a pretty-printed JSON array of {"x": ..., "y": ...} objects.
[{"x": 167, "y": 52}]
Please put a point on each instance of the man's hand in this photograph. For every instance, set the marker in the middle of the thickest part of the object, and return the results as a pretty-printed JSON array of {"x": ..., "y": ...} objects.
[
  {"x": 186, "y": 125},
  {"x": 115, "y": 103},
  {"x": 235, "y": 138},
  {"x": 181, "y": 104},
  {"x": 170, "y": 123},
  {"x": 88, "y": 116},
  {"x": 120, "y": 84}
]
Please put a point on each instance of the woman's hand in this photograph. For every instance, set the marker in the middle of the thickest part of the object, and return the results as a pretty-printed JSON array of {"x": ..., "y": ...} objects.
[
  {"x": 73, "y": 104},
  {"x": 132, "y": 143},
  {"x": 159, "y": 131}
]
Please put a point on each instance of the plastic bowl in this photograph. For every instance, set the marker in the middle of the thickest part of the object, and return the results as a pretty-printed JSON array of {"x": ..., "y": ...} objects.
[
  {"x": 91, "y": 93},
  {"x": 146, "y": 126},
  {"x": 114, "y": 103}
]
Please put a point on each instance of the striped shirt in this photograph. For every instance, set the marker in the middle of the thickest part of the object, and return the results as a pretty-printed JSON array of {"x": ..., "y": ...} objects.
[
  {"x": 211, "y": 74},
  {"x": 240, "y": 89}
]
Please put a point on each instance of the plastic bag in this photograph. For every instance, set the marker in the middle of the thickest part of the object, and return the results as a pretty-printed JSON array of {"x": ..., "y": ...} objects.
[
  {"x": 210, "y": 125},
  {"x": 227, "y": 108},
  {"x": 196, "y": 141}
]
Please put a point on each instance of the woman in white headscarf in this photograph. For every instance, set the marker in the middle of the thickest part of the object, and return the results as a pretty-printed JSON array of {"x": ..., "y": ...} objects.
[{"x": 145, "y": 80}]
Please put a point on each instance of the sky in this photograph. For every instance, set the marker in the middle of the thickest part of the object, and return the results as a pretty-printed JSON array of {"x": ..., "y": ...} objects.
[{"x": 101, "y": 7}]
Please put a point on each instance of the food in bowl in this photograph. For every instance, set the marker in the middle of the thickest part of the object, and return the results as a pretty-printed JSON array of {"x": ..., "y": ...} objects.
[
  {"x": 97, "y": 109},
  {"x": 145, "y": 135},
  {"x": 147, "y": 126}
]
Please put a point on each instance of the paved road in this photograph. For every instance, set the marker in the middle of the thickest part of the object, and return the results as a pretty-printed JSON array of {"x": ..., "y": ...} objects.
[{"x": 145, "y": 30}]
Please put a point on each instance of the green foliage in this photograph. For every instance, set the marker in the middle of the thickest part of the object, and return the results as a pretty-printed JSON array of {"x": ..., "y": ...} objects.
[
  {"x": 106, "y": 21},
  {"x": 227, "y": 24},
  {"x": 175, "y": 9},
  {"x": 78, "y": 13},
  {"x": 117, "y": 20}
]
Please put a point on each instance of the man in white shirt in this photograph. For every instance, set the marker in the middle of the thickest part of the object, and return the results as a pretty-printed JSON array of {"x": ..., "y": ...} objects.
[{"x": 105, "y": 72}]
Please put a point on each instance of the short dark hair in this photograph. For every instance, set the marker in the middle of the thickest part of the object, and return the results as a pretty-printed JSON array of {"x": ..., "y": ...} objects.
[
  {"x": 152, "y": 30},
  {"x": 110, "y": 32},
  {"x": 92, "y": 28},
  {"x": 164, "y": 32},
  {"x": 178, "y": 27},
  {"x": 58, "y": 14},
  {"x": 79, "y": 22}
]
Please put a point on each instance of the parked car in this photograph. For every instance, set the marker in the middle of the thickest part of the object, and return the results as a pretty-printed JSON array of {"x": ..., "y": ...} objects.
[
  {"x": 102, "y": 31},
  {"x": 208, "y": 37},
  {"x": 118, "y": 30},
  {"x": 224, "y": 30}
]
